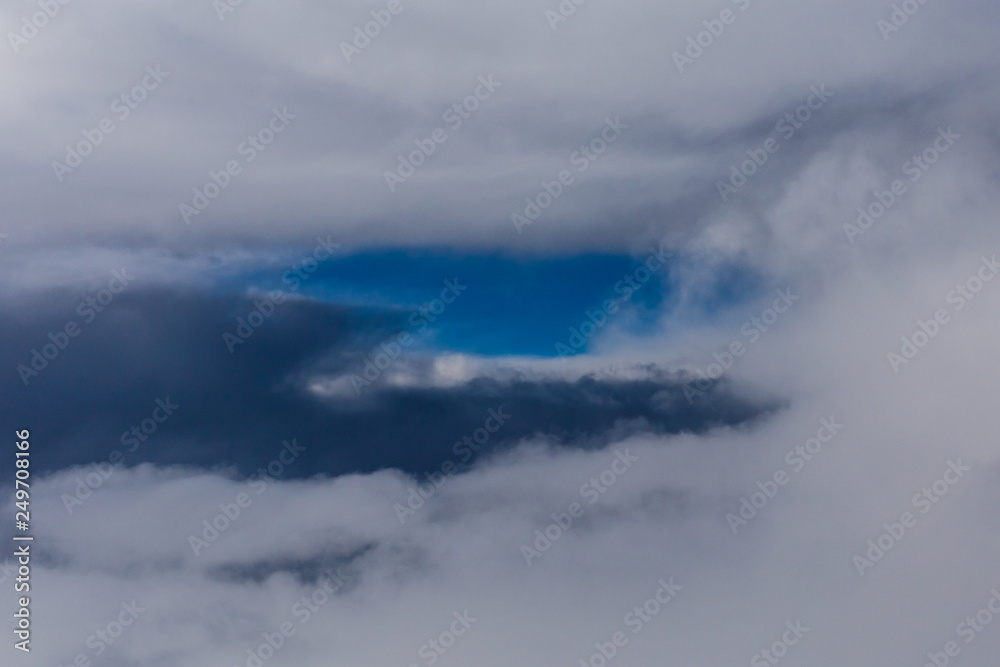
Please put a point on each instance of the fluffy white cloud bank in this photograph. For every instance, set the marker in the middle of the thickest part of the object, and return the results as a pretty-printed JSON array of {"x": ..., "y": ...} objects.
[
  {"x": 882, "y": 542},
  {"x": 325, "y": 172},
  {"x": 919, "y": 441}
]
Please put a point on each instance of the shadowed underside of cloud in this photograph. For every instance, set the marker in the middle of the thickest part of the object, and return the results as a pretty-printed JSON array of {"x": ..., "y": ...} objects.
[{"x": 236, "y": 409}]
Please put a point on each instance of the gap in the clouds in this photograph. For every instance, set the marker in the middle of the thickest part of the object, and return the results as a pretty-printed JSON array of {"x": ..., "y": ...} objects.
[{"x": 514, "y": 305}]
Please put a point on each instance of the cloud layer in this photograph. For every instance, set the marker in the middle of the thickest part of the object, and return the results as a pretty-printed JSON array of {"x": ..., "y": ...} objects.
[{"x": 813, "y": 475}]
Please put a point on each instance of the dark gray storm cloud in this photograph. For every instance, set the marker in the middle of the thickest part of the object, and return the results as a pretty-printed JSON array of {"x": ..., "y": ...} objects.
[{"x": 160, "y": 355}]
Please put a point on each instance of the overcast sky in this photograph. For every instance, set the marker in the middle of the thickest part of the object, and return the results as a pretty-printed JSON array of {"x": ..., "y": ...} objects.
[{"x": 539, "y": 333}]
